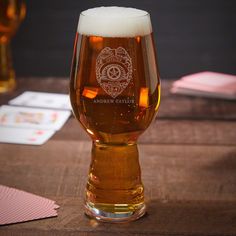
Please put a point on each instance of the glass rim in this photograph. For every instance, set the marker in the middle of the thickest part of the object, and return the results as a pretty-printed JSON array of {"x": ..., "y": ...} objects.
[{"x": 118, "y": 17}]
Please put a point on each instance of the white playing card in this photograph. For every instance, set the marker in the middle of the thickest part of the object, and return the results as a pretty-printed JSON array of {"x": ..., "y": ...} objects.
[
  {"x": 43, "y": 100},
  {"x": 35, "y": 118},
  {"x": 24, "y": 136}
]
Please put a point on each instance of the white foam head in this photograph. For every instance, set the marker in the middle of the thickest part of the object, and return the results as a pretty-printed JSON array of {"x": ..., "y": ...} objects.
[{"x": 114, "y": 22}]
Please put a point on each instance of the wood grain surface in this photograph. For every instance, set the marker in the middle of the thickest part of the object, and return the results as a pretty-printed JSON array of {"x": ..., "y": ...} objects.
[{"x": 188, "y": 169}]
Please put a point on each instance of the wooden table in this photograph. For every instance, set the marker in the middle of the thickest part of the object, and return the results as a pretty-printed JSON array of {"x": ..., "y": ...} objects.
[{"x": 188, "y": 159}]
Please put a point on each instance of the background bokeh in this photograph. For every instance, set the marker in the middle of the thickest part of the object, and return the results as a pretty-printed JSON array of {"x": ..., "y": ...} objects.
[{"x": 191, "y": 35}]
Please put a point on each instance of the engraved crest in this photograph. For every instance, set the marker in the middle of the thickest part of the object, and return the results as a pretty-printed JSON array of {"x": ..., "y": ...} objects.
[{"x": 113, "y": 70}]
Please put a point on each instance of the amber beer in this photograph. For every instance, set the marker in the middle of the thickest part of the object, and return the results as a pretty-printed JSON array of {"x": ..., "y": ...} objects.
[
  {"x": 115, "y": 94},
  {"x": 12, "y": 13}
]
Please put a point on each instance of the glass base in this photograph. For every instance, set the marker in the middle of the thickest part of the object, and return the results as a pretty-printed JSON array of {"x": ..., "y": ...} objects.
[{"x": 120, "y": 213}]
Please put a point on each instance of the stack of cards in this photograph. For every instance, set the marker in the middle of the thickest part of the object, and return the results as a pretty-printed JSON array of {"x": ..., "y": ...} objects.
[
  {"x": 19, "y": 206},
  {"x": 23, "y": 123},
  {"x": 207, "y": 84},
  {"x": 43, "y": 100}
]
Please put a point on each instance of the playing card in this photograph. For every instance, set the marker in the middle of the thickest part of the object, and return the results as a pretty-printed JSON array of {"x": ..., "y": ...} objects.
[
  {"x": 34, "y": 118},
  {"x": 207, "y": 84},
  {"x": 212, "y": 79},
  {"x": 43, "y": 100},
  {"x": 24, "y": 136},
  {"x": 19, "y": 206}
]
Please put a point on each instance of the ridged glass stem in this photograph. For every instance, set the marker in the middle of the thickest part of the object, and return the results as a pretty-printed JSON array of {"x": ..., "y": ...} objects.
[{"x": 114, "y": 189}]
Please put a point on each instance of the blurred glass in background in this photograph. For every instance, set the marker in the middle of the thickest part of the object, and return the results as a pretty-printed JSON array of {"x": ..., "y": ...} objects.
[{"x": 12, "y": 12}]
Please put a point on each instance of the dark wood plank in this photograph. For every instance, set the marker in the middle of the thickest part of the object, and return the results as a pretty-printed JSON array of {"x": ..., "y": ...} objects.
[
  {"x": 172, "y": 106},
  {"x": 190, "y": 190},
  {"x": 59, "y": 168},
  {"x": 191, "y": 132},
  {"x": 167, "y": 131},
  {"x": 194, "y": 108},
  {"x": 163, "y": 219},
  {"x": 181, "y": 119}
]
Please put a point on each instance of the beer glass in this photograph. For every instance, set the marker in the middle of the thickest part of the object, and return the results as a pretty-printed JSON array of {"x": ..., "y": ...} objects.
[
  {"x": 12, "y": 12},
  {"x": 115, "y": 93}
]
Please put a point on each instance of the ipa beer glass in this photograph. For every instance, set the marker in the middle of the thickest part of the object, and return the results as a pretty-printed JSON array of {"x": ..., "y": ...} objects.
[{"x": 115, "y": 93}]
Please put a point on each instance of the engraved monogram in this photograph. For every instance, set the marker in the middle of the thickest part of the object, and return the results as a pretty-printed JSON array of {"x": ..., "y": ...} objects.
[{"x": 113, "y": 70}]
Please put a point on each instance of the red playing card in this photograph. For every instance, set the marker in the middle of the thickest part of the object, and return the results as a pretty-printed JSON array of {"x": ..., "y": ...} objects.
[
  {"x": 19, "y": 206},
  {"x": 208, "y": 84}
]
